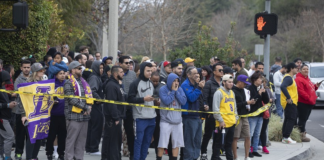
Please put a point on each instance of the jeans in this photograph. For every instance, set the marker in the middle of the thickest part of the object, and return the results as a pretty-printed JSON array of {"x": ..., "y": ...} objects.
[
  {"x": 8, "y": 137},
  {"x": 112, "y": 140},
  {"x": 192, "y": 130},
  {"x": 290, "y": 119},
  {"x": 304, "y": 111},
  {"x": 228, "y": 140},
  {"x": 255, "y": 130},
  {"x": 144, "y": 133},
  {"x": 279, "y": 109},
  {"x": 209, "y": 130}
]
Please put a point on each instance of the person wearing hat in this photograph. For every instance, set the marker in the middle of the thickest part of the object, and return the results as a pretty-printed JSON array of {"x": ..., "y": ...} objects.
[
  {"x": 224, "y": 101},
  {"x": 177, "y": 68},
  {"x": 57, "y": 121},
  {"x": 289, "y": 101},
  {"x": 228, "y": 70},
  {"x": 32, "y": 149},
  {"x": 77, "y": 112},
  {"x": 6, "y": 131},
  {"x": 165, "y": 70},
  {"x": 242, "y": 98},
  {"x": 190, "y": 61}
]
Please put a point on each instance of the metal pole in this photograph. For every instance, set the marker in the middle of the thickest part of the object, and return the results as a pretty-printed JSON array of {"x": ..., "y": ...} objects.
[
  {"x": 267, "y": 44},
  {"x": 113, "y": 29}
]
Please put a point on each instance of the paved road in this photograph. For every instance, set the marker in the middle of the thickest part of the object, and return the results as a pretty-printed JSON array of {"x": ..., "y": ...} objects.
[{"x": 315, "y": 124}]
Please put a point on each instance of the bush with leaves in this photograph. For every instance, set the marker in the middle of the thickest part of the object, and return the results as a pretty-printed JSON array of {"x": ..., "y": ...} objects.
[
  {"x": 275, "y": 130},
  {"x": 204, "y": 47}
]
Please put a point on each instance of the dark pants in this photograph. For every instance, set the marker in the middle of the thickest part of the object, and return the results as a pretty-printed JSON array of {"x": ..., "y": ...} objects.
[
  {"x": 57, "y": 128},
  {"x": 263, "y": 134},
  {"x": 95, "y": 127},
  {"x": 304, "y": 111},
  {"x": 129, "y": 130},
  {"x": 156, "y": 136},
  {"x": 228, "y": 140},
  {"x": 20, "y": 135},
  {"x": 209, "y": 129},
  {"x": 112, "y": 140},
  {"x": 32, "y": 149},
  {"x": 290, "y": 119}
]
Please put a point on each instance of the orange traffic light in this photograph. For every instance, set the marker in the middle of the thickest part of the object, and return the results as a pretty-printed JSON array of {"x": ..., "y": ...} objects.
[{"x": 265, "y": 24}]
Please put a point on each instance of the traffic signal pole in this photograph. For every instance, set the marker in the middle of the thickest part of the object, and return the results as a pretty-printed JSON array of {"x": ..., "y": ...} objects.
[
  {"x": 113, "y": 29},
  {"x": 267, "y": 44}
]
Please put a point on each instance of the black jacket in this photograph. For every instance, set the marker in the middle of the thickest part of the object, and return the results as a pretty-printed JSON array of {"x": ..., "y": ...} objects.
[
  {"x": 95, "y": 82},
  {"x": 240, "y": 101},
  {"x": 261, "y": 98},
  {"x": 115, "y": 92},
  {"x": 5, "y": 112},
  {"x": 209, "y": 89}
]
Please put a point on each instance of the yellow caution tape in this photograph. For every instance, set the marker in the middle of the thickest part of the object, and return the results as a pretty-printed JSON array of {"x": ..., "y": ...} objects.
[{"x": 260, "y": 110}]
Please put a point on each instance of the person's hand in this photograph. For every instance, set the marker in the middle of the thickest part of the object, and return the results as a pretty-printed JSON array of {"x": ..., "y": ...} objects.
[
  {"x": 148, "y": 98},
  {"x": 206, "y": 107},
  {"x": 222, "y": 125},
  {"x": 14, "y": 95},
  {"x": 116, "y": 122},
  {"x": 271, "y": 100},
  {"x": 23, "y": 119},
  {"x": 289, "y": 101},
  {"x": 252, "y": 101},
  {"x": 12, "y": 104},
  {"x": 88, "y": 111},
  {"x": 53, "y": 63},
  {"x": 261, "y": 91},
  {"x": 175, "y": 86},
  {"x": 202, "y": 84}
]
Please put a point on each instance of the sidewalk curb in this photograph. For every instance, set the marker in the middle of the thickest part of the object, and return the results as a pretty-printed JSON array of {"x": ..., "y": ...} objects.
[{"x": 302, "y": 153}]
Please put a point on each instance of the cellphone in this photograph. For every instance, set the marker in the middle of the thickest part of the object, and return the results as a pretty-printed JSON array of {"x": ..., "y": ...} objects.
[
  {"x": 26, "y": 123},
  {"x": 204, "y": 78},
  {"x": 321, "y": 81},
  {"x": 256, "y": 99}
]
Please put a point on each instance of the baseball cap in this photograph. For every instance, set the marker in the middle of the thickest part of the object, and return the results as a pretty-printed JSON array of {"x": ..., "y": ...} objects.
[
  {"x": 244, "y": 78},
  {"x": 165, "y": 63},
  {"x": 227, "y": 70},
  {"x": 110, "y": 57},
  {"x": 216, "y": 58},
  {"x": 176, "y": 63},
  {"x": 65, "y": 60},
  {"x": 5, "y": 77},
  {"x": 188, "y": 59},
  {"x": 227, "y": 77},
  {"x": 37, "y": 67},
  {"x": 73, "y": 65}
]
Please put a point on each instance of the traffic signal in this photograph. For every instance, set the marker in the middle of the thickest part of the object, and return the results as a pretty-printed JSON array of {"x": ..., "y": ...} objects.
[
  {"x": 20, "y": 15},
  {"x": 265, "y": 23}
]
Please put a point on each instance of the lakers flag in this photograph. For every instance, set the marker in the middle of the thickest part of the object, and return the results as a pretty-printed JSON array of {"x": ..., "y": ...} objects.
[{"x": 38, "y": 107}]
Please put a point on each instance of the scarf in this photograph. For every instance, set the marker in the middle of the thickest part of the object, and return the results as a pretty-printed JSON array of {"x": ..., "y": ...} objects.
[{"x": 77, "y": 92}]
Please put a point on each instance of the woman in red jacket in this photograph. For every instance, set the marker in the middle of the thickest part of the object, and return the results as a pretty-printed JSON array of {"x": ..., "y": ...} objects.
[{"x": 306, "y": 99}]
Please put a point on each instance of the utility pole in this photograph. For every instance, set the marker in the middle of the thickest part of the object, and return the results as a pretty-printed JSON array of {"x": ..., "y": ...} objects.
[
  {"x": 267, "y": 44},
  {"x": 113, "y": 29}
]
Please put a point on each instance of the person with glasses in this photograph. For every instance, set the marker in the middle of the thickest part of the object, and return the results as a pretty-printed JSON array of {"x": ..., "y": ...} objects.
[
  {"x": 209, "y": 89},
  {"x": 243, "y": 64},
  {"x": 238, "y": 67},
  {"x": 77, "y": 112},
  {"x": 129, "y": 77},
  {"x": 98, "y": 56}
]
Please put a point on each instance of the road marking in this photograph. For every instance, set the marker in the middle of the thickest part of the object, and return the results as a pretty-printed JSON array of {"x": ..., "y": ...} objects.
[{"x": 322, "y": 125}]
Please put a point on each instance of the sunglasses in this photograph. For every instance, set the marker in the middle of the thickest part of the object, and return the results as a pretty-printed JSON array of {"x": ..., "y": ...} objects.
[
  {"x": 80, "y": 68},
  {"x": 126, "y": 62},
  {"x": 220, "y": 70}
]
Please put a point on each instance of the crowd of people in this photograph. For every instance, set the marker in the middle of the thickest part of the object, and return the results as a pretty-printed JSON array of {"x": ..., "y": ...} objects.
[{"x": 78, "y": 125}]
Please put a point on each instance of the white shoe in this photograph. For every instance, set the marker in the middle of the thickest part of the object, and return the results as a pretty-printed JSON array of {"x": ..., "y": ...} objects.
[
  {"x": 55, "y": 155},
  {"x": 248, "y": 158},
  {"x": 259, "y": 147},
  {"x": 288, "y": 141},
  {"x": 95, "y": 154}
]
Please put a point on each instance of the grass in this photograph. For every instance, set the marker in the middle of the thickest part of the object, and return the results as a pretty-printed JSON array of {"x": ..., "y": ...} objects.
[{"x": 275, "y": 130}]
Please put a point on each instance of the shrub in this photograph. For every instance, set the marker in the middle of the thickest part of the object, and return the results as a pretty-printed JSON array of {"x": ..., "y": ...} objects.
[{"x": 275, "y": 130}]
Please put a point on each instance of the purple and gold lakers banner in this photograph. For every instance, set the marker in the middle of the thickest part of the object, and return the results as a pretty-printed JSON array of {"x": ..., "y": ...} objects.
[{"x": 37, "y": 107}]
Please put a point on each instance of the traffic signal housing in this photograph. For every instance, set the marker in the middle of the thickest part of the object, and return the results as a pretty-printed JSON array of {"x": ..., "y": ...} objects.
[{"x": 265, "y": 23}]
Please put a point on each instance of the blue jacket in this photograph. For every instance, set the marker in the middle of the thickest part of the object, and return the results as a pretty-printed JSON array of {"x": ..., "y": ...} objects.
[
  {"x": 193, "y": 93},
  {"x": 172, "y": 99},
  {"x": 54, "y": 69}
]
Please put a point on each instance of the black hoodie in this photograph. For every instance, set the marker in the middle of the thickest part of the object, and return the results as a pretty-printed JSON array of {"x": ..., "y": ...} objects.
[
  {"x": 5, "y": 112},
  {"x": 94, "y": 80},
  {"x": 115, "y": 92}
]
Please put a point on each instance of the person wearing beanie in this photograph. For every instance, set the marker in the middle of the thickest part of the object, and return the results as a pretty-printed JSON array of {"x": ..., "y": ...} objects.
[
  {"x": 57, "y": 122},
  {"x": 55, "y": 65},
  {"x": 141, "y": 92}
]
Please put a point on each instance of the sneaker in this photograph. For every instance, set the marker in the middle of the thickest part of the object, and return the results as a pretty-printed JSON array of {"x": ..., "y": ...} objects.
[
  {"x": 259, "y": 147},
  {"x": 265, "y": 150},
  {"x": 55, "y": 155},
  {"x": 247, "y": 158},
  {"x": 256, "y": 154},
  {"x": 203, "y": 156},
  {"x": 95, "y": 154},
  {"x": 288, "y": 141},
  {"x": 251, "y": 155},
  {"x": 18, "y": 157}
]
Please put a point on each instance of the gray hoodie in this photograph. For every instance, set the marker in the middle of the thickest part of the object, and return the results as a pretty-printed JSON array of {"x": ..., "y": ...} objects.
[
  {"x": 218, "y": 96},
  {"x": 19, "y": 109}
]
